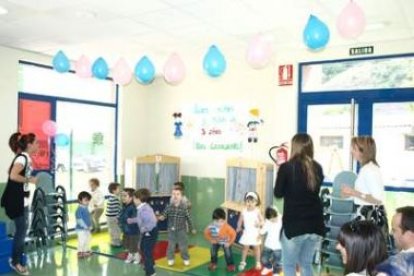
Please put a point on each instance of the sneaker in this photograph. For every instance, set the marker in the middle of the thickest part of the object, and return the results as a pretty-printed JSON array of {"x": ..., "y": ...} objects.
[
  {"x": 212, "y": 266},
  {"x": 137, "y": 258},
  {"x": 242, "y": 265},
  {"x": 129, "y": 259},
  {"x": 87, "y": 253},
  {"x": 21, "y": 270},
  {"x": 258, "y": 266},
  {"x": 231, "y": 268},
  {"x": 80, "y": 255},
  {"x": 266, "y": 271},
  {"x": 186, "y": 262},
  {"x": 170, "y": 262}
]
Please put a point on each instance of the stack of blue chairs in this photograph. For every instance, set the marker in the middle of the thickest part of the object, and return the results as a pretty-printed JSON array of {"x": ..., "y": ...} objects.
[{"x": 5, "y": 249}]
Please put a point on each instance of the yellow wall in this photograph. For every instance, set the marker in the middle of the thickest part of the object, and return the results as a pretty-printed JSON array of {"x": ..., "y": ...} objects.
[{"x": 146, "y": 123}]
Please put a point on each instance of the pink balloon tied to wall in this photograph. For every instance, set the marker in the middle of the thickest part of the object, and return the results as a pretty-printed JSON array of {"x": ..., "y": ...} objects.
[
  {"x": 83, "y": 67},
  {"x": 49, "y": 128},
  {"x": 351, "y": 21},
  {"x": 121, "y": 72},
  {"x": 259, "y": 52},
  {"x": 174, "y": 69}
]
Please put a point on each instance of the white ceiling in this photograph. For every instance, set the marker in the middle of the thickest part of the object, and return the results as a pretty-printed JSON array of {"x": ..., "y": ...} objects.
[{"x": 132, "y": 28}]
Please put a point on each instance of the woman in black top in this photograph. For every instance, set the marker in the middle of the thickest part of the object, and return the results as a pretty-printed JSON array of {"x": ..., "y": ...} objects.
[
  {"x": 14, "y": 194},
  {"x": 298, "y": 183}
]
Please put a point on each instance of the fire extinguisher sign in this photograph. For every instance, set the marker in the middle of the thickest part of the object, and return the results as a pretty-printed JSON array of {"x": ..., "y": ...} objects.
[{"x": 285, "y": 74}]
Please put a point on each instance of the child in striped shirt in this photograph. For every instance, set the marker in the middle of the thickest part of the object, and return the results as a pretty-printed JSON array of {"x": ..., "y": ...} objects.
[{"x": 113, "y": 208}]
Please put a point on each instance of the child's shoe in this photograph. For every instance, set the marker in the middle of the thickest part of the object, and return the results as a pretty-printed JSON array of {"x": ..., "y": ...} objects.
[
  {"x": 80, "y": 255},
  {"x": 129, "y": 259},
  {"x": 137, "y": 258},
  {"x": 170, "y": 262},
  {"x": 242, "y": 265},
  {"x": 258, "y": 266},
  {"x": 231, "y": 268},
  {"x": 87, "y": 253},
  {"x": 186, "y": 262},
  {"x": 212, "y": 267},
  {"x": 266, "y": 271}
]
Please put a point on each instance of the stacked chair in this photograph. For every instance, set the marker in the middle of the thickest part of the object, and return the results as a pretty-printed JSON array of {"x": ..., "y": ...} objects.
[{"x": 337, "y": 211}]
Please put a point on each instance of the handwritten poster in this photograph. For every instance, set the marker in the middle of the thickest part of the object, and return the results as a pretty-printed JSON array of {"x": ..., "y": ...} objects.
[{"x": 216, "y": 127}]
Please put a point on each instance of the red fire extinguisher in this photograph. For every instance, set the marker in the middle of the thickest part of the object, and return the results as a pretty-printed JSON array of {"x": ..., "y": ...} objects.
[{"x": 281, "y": 154}]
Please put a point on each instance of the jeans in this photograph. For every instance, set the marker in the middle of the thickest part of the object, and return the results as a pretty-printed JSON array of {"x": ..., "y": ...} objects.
[
  {"x": 299, "y": 250},
  {"x": 271, "y": 259},
  {"x": 18, "y": 239},
  {"x": 227, "y": 253},
  {"x": 148, "y": 241}
]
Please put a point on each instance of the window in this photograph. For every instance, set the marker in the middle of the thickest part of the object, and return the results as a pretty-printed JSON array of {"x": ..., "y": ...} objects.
[{"x": 85, "y": 112}]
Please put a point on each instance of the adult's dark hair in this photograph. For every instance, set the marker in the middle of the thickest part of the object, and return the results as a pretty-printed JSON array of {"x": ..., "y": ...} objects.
[
  {"x": 302, "y": 151},
  {"x": 364, "y": 244},
  {"x": 180, "y": 184},
  {"x": 18, "y": 142},
  {"x": 219, "y": 213},
  {"x": 83, "y": 195},
  {"x": 95, "y": 181},
  {"x": 270, "y": 213},
  {"x": 129, "y": 191},
  {"x": 407, "y": 218},
  {"x": 113, "y": 186},
  {"x": 143, "y": 194}
]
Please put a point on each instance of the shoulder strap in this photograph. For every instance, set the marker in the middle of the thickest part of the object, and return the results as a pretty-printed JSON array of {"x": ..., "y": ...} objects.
[{"x": 14, "y": 159}]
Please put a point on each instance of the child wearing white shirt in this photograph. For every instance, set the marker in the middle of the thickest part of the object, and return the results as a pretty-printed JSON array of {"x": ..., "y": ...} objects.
[
  {"x": 272, "y": 251},
  {"x": 97, "y": 204}
]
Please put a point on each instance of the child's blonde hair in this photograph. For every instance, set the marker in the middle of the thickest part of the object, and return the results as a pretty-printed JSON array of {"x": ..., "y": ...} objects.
[{"x": 252, "y": 196}]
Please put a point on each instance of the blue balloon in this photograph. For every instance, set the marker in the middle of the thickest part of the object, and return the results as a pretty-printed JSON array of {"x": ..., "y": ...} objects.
[
  {"x": 316, "y": 33},
  {"x": 100, "y": 69},
  {"x": 61, "y": 139},
  {"x": 214, "y": 62},
  {"x": 61, "y": 62},
  {"x": 145, "y": 70}
]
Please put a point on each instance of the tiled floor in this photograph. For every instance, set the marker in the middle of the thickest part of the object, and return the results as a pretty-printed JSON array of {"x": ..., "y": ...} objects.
[{"x": 58, "y": 261}]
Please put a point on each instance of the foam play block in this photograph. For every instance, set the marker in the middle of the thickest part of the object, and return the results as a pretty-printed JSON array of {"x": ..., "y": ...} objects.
[
  {"x": 4, "y": 265},
  {"x": 5, "y": 247}
]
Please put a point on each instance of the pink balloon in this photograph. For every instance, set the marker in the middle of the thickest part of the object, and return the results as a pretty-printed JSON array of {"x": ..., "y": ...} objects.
[
  {"x": 83, "y": 67},
  {"x": 49, "y": 128},
  {"x": 259, "y": 52},
  {"x": 351, "y": 21},
  {"x": 174, "y": 69},
  {"x": 121, "y": 72}
]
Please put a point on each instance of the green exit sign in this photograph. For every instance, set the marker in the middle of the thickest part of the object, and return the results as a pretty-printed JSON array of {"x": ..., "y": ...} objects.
[{"x": 367, "y": 50}]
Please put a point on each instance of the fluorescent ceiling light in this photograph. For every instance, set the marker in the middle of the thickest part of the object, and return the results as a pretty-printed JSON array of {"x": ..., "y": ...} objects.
[{"x": 3, "y": 10}]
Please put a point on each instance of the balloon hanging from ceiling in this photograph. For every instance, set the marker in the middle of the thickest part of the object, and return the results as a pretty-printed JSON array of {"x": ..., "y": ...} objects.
[
  {"x": 145, "y": 71},
  {"x": 316, "y": 33},
  {"x": 49, "y": 127},
  {"x": 121, "y": 72},
  {"x": 61, "y": 139},
  {"x": 174, "y": 69},
  {"x": 214, "y": 62},
  {"x": 100, "y": 69},
  {"x": 259, "y": 52},
  {"x": 61, "y": 62},
  {"x": 83, "y": 67},
  {"x": 351, "y": 21}
]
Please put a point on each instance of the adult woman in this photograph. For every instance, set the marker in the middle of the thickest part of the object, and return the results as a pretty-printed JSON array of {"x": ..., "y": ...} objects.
[
  {"x": 298, "y": 182},
  {"x": 362, "y": 247},
  {"x": 14, "y": 195},
  {"x": 368, "y": 193}
]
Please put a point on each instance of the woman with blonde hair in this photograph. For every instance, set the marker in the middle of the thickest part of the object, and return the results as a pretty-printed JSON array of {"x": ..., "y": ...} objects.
[{"x": 298, "y": 183}]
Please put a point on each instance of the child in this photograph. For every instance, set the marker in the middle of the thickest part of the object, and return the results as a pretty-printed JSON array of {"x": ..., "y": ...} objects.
[
  {"x": 83, "y": 225},
  {"x": 97, "y": 204},
  {"x": 252, "y": 220},
  {"x": 147, "y": 223},
  {"x": 178, "y": 217},
  {"x": 272, "y": 252},
  {"x": 130, "y": 230},
  {"x": 113, "y": 208},
  {"x": 220, "y": 234}
]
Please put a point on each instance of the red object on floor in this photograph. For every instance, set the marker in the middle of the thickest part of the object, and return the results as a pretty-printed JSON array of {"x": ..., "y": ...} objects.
[
  {"x": 160, "y": 251},
  {"x": 252, "y": 272}
]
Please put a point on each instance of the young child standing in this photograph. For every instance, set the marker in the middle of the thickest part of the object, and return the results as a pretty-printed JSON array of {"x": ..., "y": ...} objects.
[
  {"x": 97, "y": 204},
  {"x": 220, "y": 234},
  {"x": 113, "y": 208},
  {"x": 178, "y": 217},
  {"x": 184, "y": 199},
  {"x": 83, "y": 225},
  {"x": 251, "y": 220},
  {"x": 130, "y": 230},
  {"x": 147, "y": 223},
  {"x": 272, "y": 251}
]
